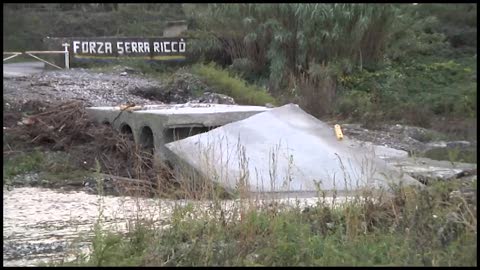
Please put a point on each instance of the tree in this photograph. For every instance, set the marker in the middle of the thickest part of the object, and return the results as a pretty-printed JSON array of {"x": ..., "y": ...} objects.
[{"x": 293, "y": 39}]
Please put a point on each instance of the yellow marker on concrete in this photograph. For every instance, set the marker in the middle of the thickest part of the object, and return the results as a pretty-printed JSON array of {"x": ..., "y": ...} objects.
[{"x": 338, "y": 132}]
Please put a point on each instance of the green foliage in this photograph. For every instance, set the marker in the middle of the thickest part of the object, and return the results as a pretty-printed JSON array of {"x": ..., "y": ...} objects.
[
  {"x": 427, "y": 87},
  {"x": 284, "y": 39},
  {"x": 412, "y": 35},
  {"x": 110, "y": 249},
  {"x": 235, "y": 87},
  {"x": 453, "y": 155},
  {"x": 54, "y": 168},
  {"x": 355, "y": 104},
  {"x": 458, "y": 22},
  {"x": 23, "y": 163},
  {"x": 348, "y": 38},
  {"x": 399, "y": 55}
]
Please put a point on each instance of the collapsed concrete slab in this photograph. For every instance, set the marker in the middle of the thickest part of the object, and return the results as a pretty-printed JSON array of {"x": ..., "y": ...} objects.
[
  {"x": 284, "y": 150},
  {"x": 425, "y": 168}
]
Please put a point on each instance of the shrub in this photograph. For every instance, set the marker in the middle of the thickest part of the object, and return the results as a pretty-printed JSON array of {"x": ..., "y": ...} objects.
[
  {"x": 411, "y": 92},
  {"x": 235, "y": 87}
]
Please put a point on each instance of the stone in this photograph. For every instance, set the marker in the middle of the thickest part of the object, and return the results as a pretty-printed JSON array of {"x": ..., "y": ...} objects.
[
  {"x": 130, "y": 70},
  {"x": 29, "y": 179},
  {"x": 215, "y": 98},
  {"x": 427, "y": 169}
]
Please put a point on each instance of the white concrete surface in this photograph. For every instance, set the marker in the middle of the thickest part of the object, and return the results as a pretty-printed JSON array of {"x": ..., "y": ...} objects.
[
  {"x": 284, "y": 150},
  {"x": 188, "y": 108}
]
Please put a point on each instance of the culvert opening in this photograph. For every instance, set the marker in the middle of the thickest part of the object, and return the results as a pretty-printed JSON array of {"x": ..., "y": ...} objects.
[
  {"x": 179, "y": 133},
  {"x": 146, "y": 139},
  {"x": 126, "y": 130}
]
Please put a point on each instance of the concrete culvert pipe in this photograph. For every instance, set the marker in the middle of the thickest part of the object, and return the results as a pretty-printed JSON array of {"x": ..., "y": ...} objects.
[
  {"x": 126, "y": 130},
  {"x": 146, "y": 138},
  {"x": 179, "y": 133}
]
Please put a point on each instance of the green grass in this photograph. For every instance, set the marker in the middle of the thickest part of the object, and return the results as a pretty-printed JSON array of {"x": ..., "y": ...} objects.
[
  {"x": 412, "y": 229},
  {"x": 23, "y": 163},
  {"x": 54, "y": 168},
  {"x": 224, "y": 83}
]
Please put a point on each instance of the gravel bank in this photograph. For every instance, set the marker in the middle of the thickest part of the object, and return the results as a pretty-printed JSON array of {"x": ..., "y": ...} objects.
[{"x": 95, "y": 89}]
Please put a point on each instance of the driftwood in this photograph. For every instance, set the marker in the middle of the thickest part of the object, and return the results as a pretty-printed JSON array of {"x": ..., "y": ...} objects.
[
  {"x": 67, "y": 127},
  {"x": 126, "y": 179}
]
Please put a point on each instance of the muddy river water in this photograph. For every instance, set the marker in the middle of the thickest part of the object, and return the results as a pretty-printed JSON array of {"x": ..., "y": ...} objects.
[{"x": 45, "y": 225}]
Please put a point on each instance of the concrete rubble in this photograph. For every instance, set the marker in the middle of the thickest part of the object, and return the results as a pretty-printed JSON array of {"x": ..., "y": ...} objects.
[
  {"x": 426, "y": 169},
  {"x": 286, "y": 150}
]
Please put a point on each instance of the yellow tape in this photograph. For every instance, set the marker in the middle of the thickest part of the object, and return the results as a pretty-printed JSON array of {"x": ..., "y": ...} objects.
[{"x": 338, "y": 132}]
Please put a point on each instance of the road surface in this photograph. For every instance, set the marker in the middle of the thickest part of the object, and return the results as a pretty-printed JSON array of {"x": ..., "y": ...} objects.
[{"x": 22, "y": 69}]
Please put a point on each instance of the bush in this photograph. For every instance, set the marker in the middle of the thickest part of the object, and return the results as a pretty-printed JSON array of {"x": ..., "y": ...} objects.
[
  {"x": 235, "y": 87},
  {"x": 354, "y": 104},
  {"x": 411, "y": 92}
]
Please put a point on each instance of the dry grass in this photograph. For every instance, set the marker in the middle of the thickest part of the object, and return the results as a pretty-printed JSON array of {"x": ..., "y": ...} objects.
[{"x": 402, "y": 226}]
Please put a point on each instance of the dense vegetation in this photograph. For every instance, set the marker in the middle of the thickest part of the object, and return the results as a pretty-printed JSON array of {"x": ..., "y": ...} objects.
[{"x": 369, "y": 62}]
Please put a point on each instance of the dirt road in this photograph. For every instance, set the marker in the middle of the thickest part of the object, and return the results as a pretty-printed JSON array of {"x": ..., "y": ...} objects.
[{"x": 22, "y": 69}]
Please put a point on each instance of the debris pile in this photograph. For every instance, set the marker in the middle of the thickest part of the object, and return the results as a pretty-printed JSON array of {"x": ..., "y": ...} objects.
[
  {"x": 60, "y": 126},
  {"x": 66, "y": 127}
]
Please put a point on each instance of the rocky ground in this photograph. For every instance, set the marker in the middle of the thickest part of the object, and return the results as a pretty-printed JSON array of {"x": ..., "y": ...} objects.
[
  {"x": 416, "y": 141},
  {"x": 119, "y": 86},
  {"x": 95, "y": 89}
]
